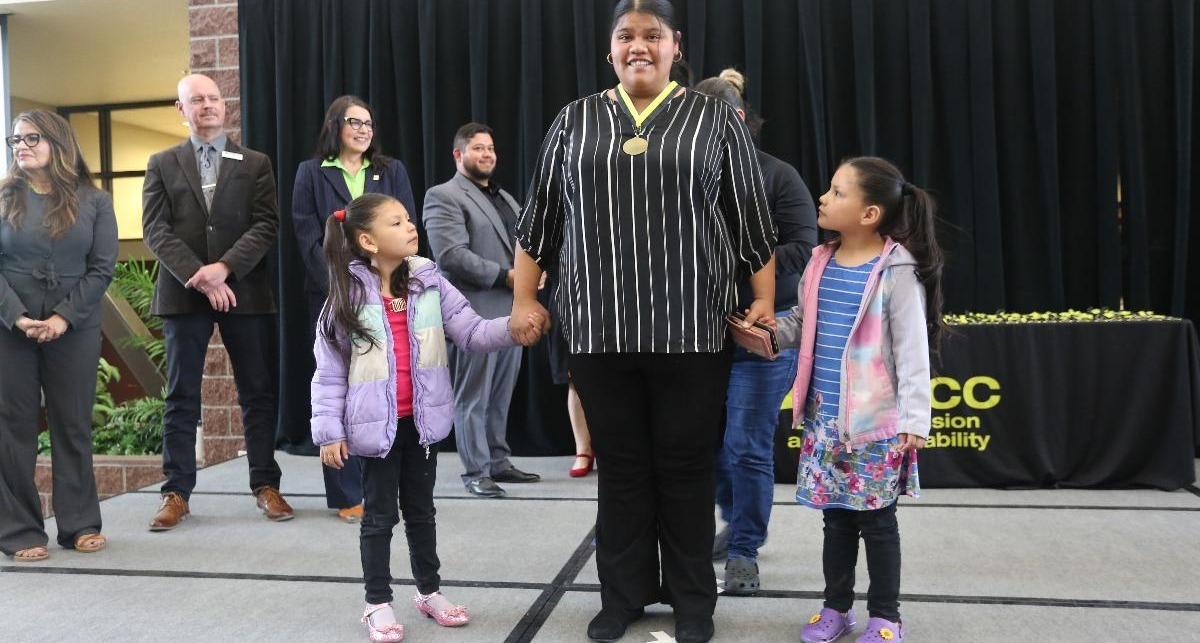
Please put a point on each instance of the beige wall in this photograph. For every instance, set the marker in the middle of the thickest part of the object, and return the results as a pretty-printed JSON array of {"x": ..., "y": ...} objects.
[{"x": 132, "y": 147}]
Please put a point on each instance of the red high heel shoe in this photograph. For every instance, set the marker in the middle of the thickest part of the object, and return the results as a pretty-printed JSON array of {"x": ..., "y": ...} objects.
[{"x": 579, "y": 472}]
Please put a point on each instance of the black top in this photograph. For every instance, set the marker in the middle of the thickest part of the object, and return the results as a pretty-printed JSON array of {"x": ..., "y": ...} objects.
[
  {"x": 492, "y": 192},
  {"x": 795, "y": 218},
  {"x": 650, "y": 246}
]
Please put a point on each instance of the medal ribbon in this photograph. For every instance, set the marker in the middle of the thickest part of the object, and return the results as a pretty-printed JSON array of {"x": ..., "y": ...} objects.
[{"x": 640, "y": 117}]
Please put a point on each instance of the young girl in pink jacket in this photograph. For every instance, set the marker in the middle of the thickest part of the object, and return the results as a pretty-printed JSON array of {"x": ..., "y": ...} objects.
[{"x": 868, "y": 302}]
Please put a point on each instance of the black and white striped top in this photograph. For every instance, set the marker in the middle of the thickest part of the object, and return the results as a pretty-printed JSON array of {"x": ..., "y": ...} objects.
[{"x": 649, "y": 246}]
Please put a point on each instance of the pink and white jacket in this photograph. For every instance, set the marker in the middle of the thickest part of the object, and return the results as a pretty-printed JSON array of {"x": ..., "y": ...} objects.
[{"x": 885, "y": 367}]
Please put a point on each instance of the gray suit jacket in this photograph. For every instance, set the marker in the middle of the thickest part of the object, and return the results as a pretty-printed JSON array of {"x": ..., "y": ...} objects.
[
  {"x": 470, "y": 243},
  {"x": 40, "y": 276}
]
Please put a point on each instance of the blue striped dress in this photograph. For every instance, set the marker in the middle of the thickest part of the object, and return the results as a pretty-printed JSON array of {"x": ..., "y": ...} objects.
[{"x": 872, "y": 476}]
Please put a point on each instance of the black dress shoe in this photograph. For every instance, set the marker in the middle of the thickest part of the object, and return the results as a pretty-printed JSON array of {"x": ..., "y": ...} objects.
[
  {"x": 485, "y": 488},
  {"x": 693, "y": 629},
  {"x": 610, "y": 624},
  {"x": 515, "y": 475}
]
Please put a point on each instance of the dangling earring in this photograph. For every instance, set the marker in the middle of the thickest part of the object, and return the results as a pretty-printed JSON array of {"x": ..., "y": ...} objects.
[{"x": 609, "y": 58}]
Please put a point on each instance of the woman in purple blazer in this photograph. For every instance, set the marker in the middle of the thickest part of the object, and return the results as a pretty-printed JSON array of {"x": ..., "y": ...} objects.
[{"x": 347, "y": 164}]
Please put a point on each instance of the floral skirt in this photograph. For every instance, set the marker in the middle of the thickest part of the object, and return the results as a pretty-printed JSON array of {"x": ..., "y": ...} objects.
[{"x": 871, "y": 476}]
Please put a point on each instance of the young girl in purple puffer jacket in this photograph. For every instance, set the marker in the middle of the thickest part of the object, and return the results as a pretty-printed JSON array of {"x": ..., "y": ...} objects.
[{"x": 382, "y": 390}]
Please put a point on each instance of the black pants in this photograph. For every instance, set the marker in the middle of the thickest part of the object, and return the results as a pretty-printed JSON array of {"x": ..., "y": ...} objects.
[
  {"x": 881, "y": 533},
  {"x": 399, "y": 484},
  {"x": 248, "y": 340},
  {"x": 65, "y": 370},
  {"x": 343, "y": 487},
  {"x": 655, "y": 421}
]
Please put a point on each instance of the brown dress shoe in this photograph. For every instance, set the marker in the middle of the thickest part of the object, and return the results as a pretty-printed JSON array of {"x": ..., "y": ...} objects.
[
  {"x": 271, "y": 503},
  {"x": 172, "y": 511},
  {"x": 352, "y": 515}
]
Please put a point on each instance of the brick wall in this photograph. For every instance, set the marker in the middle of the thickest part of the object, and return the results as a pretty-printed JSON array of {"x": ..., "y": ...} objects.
[
  {"x": 115, "y": 475},
  {"x": 213, "y": 30}
]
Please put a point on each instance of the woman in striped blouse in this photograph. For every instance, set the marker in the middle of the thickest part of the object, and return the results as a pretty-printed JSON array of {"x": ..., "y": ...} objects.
[{"x": 651, "y": 198}]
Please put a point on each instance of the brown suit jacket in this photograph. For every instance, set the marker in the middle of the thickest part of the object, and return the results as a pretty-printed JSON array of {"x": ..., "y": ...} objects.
[{"x": 185, "y": 236}]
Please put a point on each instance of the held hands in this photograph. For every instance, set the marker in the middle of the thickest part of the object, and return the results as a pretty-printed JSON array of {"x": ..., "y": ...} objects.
[
  {"x": 760, "y": 310},
  {"x": 909, "y": 442},
  {"x": 210, "y": 281},
  {"x": 221, "y": 298},
  {"x": 335, "y": 454},
  {"x": 42, "y": 331},
  {"x": 529, "y": 321}
]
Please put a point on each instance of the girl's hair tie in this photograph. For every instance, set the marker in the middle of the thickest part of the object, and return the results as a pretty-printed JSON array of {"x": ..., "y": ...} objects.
[
  {"x": 340, "y": 215},
  {"x": 906, "y": 188}
]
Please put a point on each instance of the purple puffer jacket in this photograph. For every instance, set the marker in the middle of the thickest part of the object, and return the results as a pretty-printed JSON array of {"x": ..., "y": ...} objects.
[{"x": 354, "y": 388}]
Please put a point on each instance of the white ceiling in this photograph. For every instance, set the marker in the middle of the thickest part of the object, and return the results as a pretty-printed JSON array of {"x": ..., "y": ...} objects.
[{"x": 83, "y": 52}]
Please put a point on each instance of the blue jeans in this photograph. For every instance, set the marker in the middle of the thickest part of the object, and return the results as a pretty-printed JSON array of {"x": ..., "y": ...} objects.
[{"x": 746, "y": 465}]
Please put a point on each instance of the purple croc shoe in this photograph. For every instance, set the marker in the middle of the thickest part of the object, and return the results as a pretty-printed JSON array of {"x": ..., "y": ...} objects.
[
  {"x": 827, "y": 625},
  {"x": 881, "y": 631}
]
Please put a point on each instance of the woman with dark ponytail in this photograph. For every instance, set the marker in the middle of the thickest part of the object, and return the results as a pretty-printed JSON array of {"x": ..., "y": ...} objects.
[
  {"x": 757, "y": 386},
  {"x": 382, "y": 390},
  {"x": 868, "y": 306}
]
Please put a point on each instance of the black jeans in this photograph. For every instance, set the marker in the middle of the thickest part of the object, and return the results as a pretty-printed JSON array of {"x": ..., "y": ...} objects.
[
  {"x": 881, "y": 533},
  {"x": 655, "y": 421},
  {"x": 247, "y": 339},
  {"x": 401, "y": 483}
]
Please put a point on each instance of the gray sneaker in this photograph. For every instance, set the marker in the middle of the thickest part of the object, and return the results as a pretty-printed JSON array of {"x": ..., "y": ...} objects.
[
  {"x": 741, "y": 577},
  {"x": 721, "y": 544}
]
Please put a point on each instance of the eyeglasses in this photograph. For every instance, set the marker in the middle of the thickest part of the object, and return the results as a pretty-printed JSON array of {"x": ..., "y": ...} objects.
[
  {"x": 31, "y": 140},
  {"x": 358, "y": 123}
]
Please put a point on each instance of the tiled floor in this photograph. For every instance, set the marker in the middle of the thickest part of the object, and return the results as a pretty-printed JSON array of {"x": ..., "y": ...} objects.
[{"x": 979, "y": 565}]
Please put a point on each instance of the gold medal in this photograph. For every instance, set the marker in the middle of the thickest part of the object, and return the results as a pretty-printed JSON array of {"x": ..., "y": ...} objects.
[
  {"x": 635, "y": 146},
  {"x": 638, "y": 145}
]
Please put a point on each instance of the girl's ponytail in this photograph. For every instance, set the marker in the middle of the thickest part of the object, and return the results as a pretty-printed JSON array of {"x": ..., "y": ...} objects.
[
  {"x": 909, "y": 217},
  {"x": 339, "y": 317}
]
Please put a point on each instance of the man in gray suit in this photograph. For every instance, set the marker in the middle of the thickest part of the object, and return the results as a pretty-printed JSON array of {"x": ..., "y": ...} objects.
[{"x": 471, "y": 225}]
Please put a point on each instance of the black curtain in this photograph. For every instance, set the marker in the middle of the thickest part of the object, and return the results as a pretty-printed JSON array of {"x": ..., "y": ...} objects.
[{"x": 1057, "y": 136}]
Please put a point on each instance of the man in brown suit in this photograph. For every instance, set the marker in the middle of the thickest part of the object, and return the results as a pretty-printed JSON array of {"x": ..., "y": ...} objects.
[{"x": 209, "y": 216}]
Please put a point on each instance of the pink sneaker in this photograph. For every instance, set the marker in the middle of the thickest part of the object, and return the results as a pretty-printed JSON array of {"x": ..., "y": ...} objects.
[
  {"x": 881, "y": 631},
  {"x": 450, "y": 616},
  {"x": 386, "y": 633},
  {"x": 827, "y": 625}
]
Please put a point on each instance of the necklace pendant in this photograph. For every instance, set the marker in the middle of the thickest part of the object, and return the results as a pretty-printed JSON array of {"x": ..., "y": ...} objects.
[
  {"x": 635, "y": 146},
  {"x": 399, "y": 304}
]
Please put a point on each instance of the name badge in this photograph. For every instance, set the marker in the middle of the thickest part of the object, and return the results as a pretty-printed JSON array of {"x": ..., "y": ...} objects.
[{"x": 231, "y": 155}]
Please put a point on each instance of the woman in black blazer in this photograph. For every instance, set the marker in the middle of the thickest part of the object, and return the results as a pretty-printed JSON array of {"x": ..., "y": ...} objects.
[
  {"x": 347, "y": 164},
  {"x": 58, "y": 246}
]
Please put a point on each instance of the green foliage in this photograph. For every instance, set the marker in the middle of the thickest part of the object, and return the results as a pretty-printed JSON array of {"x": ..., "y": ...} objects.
[
  {"x": 104, "y": 404},
  {"x": 133, "y": 281},
  {"x": 133, "y": 427}
]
